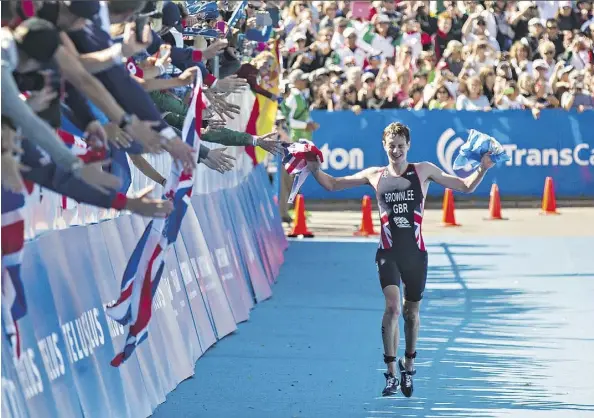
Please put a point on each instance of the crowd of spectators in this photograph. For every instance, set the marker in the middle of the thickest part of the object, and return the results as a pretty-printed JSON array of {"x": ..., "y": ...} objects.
[{"x": 465, "y": 55}]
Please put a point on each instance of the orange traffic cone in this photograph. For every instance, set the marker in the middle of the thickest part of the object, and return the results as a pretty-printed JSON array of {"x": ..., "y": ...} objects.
[
  {"x": 449, "y": 218},
  {"x": 300, "y": 224},
  {"x": 549, "y": 202},
  {"x": 366, "y": 227},
  {"x": 495, "y": 204}
]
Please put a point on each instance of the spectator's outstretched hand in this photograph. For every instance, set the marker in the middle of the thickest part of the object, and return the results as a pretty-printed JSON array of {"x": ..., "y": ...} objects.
[
  {"x": 214, "y": 49},
  {"x": 270, "y": 143},
  {"x": 182, "y": 152},
  {"x": 116, "y": 136},
  {"x": 231, "y": 84},
  {"x": 40, "y": 100},
  {"x": 143, "y": 131},
  {"x": 221, "y": 107},
  {"x": 94, "y": 176},
  {"x": 218, "y": 160},
  {"x": 152, "y": 208}
]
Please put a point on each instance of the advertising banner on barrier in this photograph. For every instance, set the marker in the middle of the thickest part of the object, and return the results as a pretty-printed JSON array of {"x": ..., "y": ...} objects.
[
  {"x": 208, "y": 279},
  {"x": 13, "y": 394},
  {"x": 88, "y": 346},
  {"x": 119, "y": 247},
  {"x": 43, "y": 368},
  {"x": 262, "y": 183},
  {"x": 198, "y": 302},
  {"x": 261, "y": 228},
  {"x": 231, "y": 279},
  {"x": 559, "y": 144},
  {"x": 254, "y": 229},
  {"x": 247, "y": 251},
  {"x": 136, "y": 388}
]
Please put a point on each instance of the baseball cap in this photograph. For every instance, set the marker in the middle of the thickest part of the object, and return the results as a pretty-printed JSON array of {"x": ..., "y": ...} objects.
[
  {"x": 172, "y": 16},
  {"x": 297, "y": 75},
  {"x": 37, "y": 38}
]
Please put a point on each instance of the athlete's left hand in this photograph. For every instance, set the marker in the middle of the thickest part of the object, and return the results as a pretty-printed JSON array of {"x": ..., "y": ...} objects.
[{"x": 486, "y": 162}]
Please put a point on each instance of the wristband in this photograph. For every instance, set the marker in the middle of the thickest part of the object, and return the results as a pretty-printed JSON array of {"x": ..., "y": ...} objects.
[
  {"x": 255, "y": 141},
  {"x": 119, "y": 202},
  {"x": 168, "y": 133}
]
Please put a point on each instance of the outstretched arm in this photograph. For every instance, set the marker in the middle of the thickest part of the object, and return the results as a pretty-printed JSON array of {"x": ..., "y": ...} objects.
[
  {"x": 340, "y": 183},
  {"x": 468, "y": 185}
]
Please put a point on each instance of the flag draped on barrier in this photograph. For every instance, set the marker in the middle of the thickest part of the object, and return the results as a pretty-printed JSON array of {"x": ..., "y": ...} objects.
[
  {"x": 295, "y": 162},
  {"x": 14, "y": 306},
  {"x": 145, "y": 267}
]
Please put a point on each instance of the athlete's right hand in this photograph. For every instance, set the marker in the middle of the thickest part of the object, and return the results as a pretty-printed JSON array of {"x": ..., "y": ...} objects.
[
  {"x": 313, "y": 165},
  {"x": 486, "y": 161},
  {"x": 94, "y": 176}
]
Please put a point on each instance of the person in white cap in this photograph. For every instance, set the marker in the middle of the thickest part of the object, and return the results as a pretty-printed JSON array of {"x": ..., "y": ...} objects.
[{"x": 350, "y": 50}]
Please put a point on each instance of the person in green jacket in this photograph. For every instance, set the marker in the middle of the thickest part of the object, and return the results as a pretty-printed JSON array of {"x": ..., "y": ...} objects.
[{"x": 296, "y": 108}]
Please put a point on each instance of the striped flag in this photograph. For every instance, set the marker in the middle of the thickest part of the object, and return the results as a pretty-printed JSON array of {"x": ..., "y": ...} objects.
[
  {"x": 145, "y": 267},
  {"x": 295, "y": 162},
  {"x": 14, "y": 305}
]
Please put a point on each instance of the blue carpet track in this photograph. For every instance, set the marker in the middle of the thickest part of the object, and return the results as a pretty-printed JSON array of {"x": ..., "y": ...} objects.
[{"x": 506, "y": 330}]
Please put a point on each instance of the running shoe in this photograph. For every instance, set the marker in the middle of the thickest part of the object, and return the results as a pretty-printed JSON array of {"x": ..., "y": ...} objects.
[
  {"x": 391, "y": 385},
  {"x": 406, "y": 380}
]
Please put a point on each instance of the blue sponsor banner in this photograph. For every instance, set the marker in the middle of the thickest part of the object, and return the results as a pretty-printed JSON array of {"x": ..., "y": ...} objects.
[
  {"x": 198, "y": 304},
  {"x": 244, "y": 239},
  {"x": 120, "y": 239},
  {"x": 71, "y": 275},
  {"x": 219, "y": 202},
  {"x": 205, "y": 272},
  {"x": 231, "y": 277},
  {"x": 270, "y": 193},
  {"x": 559, "y": 144},
  {"x": 79, "y": 309},
  {"x": 14, "y": 404},
  {"x": 138, "y": 400},
  {"x": 46, "y": 374}
]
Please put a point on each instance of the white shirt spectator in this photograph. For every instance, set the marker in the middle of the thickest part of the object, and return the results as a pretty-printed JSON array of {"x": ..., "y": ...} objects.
[
  {"x": 509, "y": 104},
  {"x": 465, "y": 103}
]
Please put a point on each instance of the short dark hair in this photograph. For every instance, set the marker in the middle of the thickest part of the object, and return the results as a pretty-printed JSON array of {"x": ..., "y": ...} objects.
[
  {"x": 397, "y": 129},
  {"x": 37, "y": 38},
  {"x": 119, "y": 7}
]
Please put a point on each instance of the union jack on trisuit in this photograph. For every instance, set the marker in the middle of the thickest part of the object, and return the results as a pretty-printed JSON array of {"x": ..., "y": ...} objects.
[
  {"x": 295, "y": 162},
  {"x": 145, "y": 267}
]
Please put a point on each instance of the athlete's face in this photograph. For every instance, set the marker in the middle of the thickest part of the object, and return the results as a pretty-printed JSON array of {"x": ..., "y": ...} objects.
[{"x": 396, "y": 147}]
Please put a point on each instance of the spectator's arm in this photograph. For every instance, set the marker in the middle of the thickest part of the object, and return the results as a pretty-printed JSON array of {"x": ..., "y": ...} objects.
[
  {"x": 567, "y": 100},
  {"x": 228, "y": 137},
  {"x": 32, "y": 127},
  {"x": 75, "y": 73},
  {"x": 95, "y": 62},
  {"x": 148, "y": 170}
]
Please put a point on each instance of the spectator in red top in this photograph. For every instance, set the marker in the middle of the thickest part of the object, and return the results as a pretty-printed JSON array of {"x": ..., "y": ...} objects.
[{"x": 443, "y": 35}]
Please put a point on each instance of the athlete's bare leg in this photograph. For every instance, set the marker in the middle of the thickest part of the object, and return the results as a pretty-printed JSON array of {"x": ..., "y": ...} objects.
[
  {"x": 390, "y": 324},
  {"x": 410, "y": 312}
]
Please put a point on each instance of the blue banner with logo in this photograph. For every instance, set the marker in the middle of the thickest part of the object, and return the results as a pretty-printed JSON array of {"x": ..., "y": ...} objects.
[
  {"x": 71, "y": 275},
  {"x": 231, "y": 278},
  {"x": 559, "y": 144}
]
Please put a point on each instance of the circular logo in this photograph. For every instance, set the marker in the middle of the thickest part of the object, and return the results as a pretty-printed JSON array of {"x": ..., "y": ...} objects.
[{"x": 448, "y": 147}]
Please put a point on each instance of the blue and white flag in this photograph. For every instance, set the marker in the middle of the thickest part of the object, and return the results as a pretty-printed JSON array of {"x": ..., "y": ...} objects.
[
  {"x": 477, "y": 145},
  {"x": 146, "y": 264}
]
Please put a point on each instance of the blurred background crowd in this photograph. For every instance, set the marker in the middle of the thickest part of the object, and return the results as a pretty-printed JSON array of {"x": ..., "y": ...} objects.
[{"x": 465, "y": 55}]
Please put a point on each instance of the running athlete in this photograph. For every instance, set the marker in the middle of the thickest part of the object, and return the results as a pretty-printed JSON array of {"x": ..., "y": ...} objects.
[{"x": 400, "y": 189}]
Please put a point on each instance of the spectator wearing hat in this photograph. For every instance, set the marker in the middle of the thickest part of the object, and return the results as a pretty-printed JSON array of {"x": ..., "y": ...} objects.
[
  {"x": 350, "y": 50},
  {"x": 296, "y": 108},
  {"x": 378, "y": 38},
  {"x": 567, "y": 18},
  {"x": 338, "y": 38}
]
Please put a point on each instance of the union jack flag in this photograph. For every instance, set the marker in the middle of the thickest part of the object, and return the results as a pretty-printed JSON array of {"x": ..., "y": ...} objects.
[
  {"x": 145, "y": 267},
  {"x": 295, "y": 162},
  {"x": 14, "y": 305}
]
